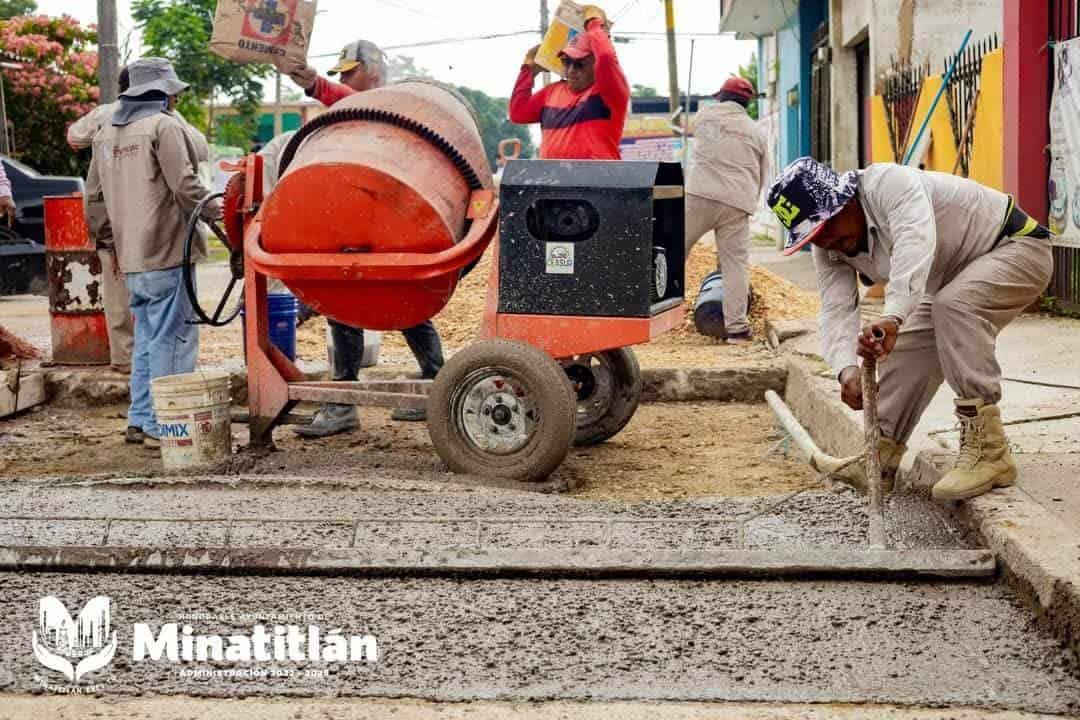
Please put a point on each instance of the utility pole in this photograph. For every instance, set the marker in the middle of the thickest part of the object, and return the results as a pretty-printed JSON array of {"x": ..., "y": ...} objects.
[
  {"x": 278, "y": 127},
  {"x": 108, "y": 51},
  {"x": 672, "y": 56},
  {"x": 544, "y": 24}
]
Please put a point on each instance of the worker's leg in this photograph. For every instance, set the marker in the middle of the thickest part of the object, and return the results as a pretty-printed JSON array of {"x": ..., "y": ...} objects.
[
  {"x": 174, "y": 341},
  {"x": 733, "y": 256},
  {"x": 968, "y": 315},
  {"x": 701, "y": 217},
  {"x": 140, "y": 413},
  {"x": 910, "y": 377},
  {"x": 348, "y": 350},
  {"x": 117, "y": 310},
  {"x": 334, "y": 418},
  {"x": 426, "y": 347}
]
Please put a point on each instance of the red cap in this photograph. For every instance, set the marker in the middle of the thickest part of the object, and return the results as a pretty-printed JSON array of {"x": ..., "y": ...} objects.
[
  {"x": 737, "y": 86},
  {"x": 580, "y": 46}
]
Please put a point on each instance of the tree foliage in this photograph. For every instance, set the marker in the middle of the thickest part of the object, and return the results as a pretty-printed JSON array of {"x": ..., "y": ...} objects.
[
  {"x": 180, "y": 30},
  {"x": 14, "y": 8},
  {"x": 55, "y": 84},
  {"x": 750, "y": 72}
]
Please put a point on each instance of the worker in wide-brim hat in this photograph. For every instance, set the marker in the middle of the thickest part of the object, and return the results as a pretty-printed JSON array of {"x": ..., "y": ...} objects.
[
  {"x": 145, "y": 170},
  {"x": 729, "y": 167},
  {"x": 961, "y": 262}
]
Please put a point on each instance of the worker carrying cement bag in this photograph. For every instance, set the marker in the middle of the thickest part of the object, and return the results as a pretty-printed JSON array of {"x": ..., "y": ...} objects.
[
  {"x": 961, "y": 262},
  {"x": 729, "y": 166},
  {"x": 582, "y": 117}
]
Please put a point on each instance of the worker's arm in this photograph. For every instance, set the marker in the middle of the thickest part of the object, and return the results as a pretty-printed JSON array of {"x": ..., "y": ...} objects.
[
  {"x": 81, "y": 133},
  {"x": 610, "y": 79},
  {"x": 328, "y": 92},
  {"x": 177, "y": 164},
  {"x": 525, "y": 106},
  {"x": 839, "y": 310},
  {"x": 909, "y": 216},
  {"x": 97, "y": 216}
]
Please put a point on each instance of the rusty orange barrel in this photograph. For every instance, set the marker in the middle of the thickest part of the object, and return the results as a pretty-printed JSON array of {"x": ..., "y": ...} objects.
[
  {"x": 76, "y": 304},
  {"x": 388, "y": 171}
]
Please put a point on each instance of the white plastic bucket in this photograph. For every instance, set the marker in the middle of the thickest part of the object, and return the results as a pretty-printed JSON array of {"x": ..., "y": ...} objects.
[
  {"x": 372, "y": 345},
  {"x": 193, "y": 418}
]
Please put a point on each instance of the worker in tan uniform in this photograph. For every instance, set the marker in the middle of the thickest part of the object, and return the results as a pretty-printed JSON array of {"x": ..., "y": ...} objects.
[
  {"x": 961, "y": 262},
  {"x": 121, "y": 328},
  {"x": 729, "y": 166},
  {"x": 146, "y": 166}
]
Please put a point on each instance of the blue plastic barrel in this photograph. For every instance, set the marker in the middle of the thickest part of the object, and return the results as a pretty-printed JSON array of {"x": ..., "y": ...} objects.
[
  {"x": 709, "y": 308},
  {"x": 283, "y": 308}
]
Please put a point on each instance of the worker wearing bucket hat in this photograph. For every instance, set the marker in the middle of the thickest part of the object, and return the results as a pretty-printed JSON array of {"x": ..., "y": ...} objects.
[
  {"x": 145, "y": 164},
  {"x": 728, "y": 169},
  {"x": 961, "y": 262}
]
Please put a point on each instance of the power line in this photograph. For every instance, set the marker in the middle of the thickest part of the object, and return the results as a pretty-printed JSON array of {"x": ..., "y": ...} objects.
[{"x": 444, "y": 41}]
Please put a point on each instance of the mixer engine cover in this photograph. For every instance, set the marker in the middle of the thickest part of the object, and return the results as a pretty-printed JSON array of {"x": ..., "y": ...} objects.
[{"x": 376, "y": 186}]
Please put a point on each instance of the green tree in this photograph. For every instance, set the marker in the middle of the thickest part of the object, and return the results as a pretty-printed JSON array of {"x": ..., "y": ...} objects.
[
  {"x": 14, "y": 8},
  {"x": 495, "y": 124},
  {"x": 750, "y": 72},
  {"x": 180, "y": 30},
  {"x": 644, "y": 91}
]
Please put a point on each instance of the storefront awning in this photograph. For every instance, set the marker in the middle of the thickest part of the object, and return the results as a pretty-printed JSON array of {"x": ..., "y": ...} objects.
[{"x": 755, "y": 17}]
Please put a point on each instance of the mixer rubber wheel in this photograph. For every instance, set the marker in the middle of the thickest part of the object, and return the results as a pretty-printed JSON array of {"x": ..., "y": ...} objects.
[
  {"x": 608, "y": 389},
  {"x": 504, "y": 409}
]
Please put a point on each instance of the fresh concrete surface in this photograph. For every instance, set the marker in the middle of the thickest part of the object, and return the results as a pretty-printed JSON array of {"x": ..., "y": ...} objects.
[
  {"x": 966, "y": 644},
  {"x": 186, "y": 708}
]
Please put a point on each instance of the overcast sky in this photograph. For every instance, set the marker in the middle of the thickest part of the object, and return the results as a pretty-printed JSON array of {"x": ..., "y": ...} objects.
[{"x": 492, "y": 65}]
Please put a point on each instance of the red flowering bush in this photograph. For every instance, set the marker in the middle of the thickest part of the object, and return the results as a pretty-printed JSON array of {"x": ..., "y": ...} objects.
[{"x": 55, "y": 85}]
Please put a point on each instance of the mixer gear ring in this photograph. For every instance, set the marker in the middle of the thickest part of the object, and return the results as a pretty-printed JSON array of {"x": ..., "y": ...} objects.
[{"x": 501, "y": 408}]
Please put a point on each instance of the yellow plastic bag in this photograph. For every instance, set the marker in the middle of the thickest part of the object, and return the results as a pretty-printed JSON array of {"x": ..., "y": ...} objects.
[{"x": 569, "y": 20}]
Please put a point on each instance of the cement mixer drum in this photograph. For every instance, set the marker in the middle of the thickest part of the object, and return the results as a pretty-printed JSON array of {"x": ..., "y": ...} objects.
[{"x": 385, "y": 171}]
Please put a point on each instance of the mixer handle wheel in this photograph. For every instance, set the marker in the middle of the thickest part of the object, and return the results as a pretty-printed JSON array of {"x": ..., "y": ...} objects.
[{"x": 219, "y": 317}]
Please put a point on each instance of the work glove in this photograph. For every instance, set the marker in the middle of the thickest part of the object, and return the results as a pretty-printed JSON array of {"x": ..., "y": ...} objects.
[
  {"x": 300, "y": 73},
  {"x": 592, "y": 12},
  {"x": 7, "y": 208}
]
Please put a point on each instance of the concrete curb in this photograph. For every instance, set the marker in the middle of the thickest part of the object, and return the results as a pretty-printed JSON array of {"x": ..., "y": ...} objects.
[
  {"x": 1040, "y": 555},
  {"x": 747, "y": 384}
]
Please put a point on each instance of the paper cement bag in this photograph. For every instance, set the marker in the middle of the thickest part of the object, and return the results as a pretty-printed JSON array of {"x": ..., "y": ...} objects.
[
  {"x": 568, "y": 21},
  {"x": 263, "y": 31}
]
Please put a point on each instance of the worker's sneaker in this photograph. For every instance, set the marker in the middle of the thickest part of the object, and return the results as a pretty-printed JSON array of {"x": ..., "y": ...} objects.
[
  {"x": 984, "y": 462},
  {"x": 149, "y": 441},
  {"x": 741, "y": 338},
  {"x": 330, "y": 420},
  {"x": 134, "y": 435},
  {"x": 409, "y": 414},
  {"x": 891, "y": 453}
]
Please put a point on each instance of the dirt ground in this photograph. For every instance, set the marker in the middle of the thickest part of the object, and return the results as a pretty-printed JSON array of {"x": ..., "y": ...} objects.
[
  {"x": 669, "y": 451},
  {"x": 458, "y": 323}
]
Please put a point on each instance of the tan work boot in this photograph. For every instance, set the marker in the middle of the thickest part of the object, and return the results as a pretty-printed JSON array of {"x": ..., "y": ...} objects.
[
  {"x": 855, "y": 474},
  {"x": 984, "y": 462}
]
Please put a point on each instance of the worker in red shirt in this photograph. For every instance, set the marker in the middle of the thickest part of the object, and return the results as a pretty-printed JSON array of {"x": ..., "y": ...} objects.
[
  {"x": 362, "y": 67},
  {"x": 582, "y": 117}
]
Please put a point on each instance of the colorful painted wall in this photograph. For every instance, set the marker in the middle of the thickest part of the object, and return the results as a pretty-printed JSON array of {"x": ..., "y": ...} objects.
[{"x": 988, "y": 151}]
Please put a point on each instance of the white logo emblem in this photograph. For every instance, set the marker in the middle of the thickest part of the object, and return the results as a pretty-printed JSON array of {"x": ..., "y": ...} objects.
[
  {"x": 560, "y": 258},
  {"x": 72, "y": 647}
]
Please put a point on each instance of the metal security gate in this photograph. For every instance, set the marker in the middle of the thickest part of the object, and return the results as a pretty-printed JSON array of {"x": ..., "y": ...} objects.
[
  {"x": 1065, "y": 285},
  {"x": 821, "y": 97}
]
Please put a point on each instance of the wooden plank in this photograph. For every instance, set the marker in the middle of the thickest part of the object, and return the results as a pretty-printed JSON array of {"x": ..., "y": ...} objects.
[{"x": 20, "y": 392}]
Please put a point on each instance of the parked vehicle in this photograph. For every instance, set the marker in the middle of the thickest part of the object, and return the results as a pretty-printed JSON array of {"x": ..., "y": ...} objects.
[{"x": 22, "y": 247}]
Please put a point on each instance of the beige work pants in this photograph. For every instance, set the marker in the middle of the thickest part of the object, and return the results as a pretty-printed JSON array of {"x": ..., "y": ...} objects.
[
  {"x": 732, "y": 229},
  {"x": 121, "y": 327},
  {"x": 953, "y": 336}
]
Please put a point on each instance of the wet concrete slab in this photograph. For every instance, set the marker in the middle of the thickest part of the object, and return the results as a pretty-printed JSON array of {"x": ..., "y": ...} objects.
[{"x": 939, "y": 644}]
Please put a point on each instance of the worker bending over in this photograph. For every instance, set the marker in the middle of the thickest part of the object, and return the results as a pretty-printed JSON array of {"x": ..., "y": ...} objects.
[
  {"x": 581, "y": 117},
  {"x": 363, "y": 67},
  {"x": 961, "y": 262}
]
